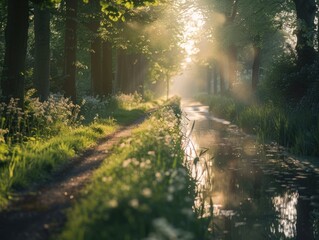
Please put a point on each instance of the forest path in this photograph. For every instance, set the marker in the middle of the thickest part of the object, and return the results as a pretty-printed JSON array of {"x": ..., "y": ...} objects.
[{"x": 40, "y": 213}]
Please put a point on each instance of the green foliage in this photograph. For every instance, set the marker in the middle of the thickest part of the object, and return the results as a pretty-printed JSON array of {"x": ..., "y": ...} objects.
[
  {"x": 117, "y": 106},
  {"x": 39, "y": 119},
  {"x": 142, "y": 191},
  {"x": 49, "y": 118},
  {"x": 222, "y": 106},
  {"x": 115, "y": 9},
  {"x": 287, "y": 85},
  {"x": 49, "y": 133},
  {"x": 295, "y": 128},
  {"x": 245, "y": 22},
  {"x": 275, "y": 85},
  {"x": 37, "y": 159}
]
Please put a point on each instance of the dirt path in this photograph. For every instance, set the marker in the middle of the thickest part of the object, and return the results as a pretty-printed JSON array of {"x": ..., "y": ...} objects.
[{"x": 40, "y": 213}]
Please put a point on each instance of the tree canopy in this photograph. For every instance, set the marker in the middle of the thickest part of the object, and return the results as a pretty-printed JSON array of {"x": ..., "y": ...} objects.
[{"x": 95, "y": 46}]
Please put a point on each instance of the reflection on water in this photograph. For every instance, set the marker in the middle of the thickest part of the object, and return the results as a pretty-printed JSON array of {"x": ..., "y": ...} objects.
[
  {"x": 286, "y": 207},
  {"x": 253, "y": 192}
]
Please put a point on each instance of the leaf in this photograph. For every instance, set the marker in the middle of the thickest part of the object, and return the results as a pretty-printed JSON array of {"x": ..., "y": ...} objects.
[
  {"x": 129, "y": 5},
  {"x": 192, "y": 128},
  {"x": 203, "y": 151}
]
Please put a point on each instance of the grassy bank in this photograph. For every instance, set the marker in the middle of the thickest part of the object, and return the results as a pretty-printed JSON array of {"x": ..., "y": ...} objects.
[
  {"x": 295, "y": 128},
  {"x": 142, "y": 191},
  {"x": 36, "y": 142}
]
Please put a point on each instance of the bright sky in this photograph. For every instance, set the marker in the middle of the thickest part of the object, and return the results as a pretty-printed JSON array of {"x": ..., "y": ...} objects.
[{"x": 192, "y": 20}]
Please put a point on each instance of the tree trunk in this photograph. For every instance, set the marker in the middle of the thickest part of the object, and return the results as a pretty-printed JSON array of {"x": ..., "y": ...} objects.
[
  {"x": 107, "y": 71},
  {"x": 222, "y": 78},
  {"x": 306, "y": 11},
  {"x": 96, "y": 61},
  {"x": 133, "y": 72},
  {"x": 129, "y": 70},
  {"x": 215, "y": 76},
  {"x": 232, "y": 65},
  {"x": 70, "y": 49},
  {"x": 42, "y": 51},
  {"x": 209, "y": 80},
  {"x": 142, "y": 73},
  {"x": 16, "y": 37},
  {"x": 139, "y": 72},
  {"x": 121, "y": 71},
  {"x": 167, "y": 86},
  {"x": 124, "y": 69},
  {"x": 317, "y": 32},
  {"x": 256, "y": 68}
]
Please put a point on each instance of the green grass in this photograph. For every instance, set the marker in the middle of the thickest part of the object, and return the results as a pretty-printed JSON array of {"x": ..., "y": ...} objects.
[
  {"x": 222, "y": 106},
  {"x": 297, "y": 129},
  {"x": 35, "y": 161},
  {"x": 47, "y": 149},
  {"x": 142, "y": 191}
]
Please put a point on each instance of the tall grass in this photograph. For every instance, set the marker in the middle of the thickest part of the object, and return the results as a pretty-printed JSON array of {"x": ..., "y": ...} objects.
[
  {"x": 39, "y": 119},
  {"x": 142, "y": 191},
  {"x": 222, "y": 106},
  {"x": 295, "y": 128}
]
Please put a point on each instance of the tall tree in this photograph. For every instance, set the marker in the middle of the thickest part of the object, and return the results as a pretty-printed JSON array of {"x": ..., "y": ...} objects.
[
  {"x": 3, "y": 13},
  {"x": 107, "y": 68},
  {"x": 256, "y": 68},
  {"x": 228, "y": 41},
  {"x": 101, "y": 62},
  {"x": 96, "y": 59},
  {"x": 42, "y": 50},
  {"x": 122, "y": 72},
  {"x": 16, "y": 37},
  {"x": 138, "y": 76},
  {"x": 209, "y": 75},
  {"x": 256, "y": 65},
  {"x": 232, "y": 48},
  {"x": 70, "y": 46},
  {"x": 305, "y": 11},
  {"x": 215, "y": 76},
  {"x": 101, "y": 56},
  {"x": 131, "y": 72}
]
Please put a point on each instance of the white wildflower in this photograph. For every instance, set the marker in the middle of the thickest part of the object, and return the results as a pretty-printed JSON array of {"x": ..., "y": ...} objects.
[
  {"x": 147, "y": 192},
  {"x": 113, "y": 203},
  {"x": 134, "y": 203}
]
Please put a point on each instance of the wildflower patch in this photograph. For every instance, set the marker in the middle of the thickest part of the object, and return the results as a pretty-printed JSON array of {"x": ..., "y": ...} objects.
[{"x": 142, "y": 191}]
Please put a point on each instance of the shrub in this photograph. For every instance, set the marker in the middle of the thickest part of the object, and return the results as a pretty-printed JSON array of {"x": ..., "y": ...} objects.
[
  {"x": 275, "y": 86},
  {"x": 39, "y": 119}
]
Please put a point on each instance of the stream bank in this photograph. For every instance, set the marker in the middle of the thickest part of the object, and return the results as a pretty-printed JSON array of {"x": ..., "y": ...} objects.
[{"x": 253, "y": 191}]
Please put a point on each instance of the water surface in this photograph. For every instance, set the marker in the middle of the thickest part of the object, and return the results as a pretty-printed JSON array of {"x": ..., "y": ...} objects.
[{"x": 250, "y": 191}]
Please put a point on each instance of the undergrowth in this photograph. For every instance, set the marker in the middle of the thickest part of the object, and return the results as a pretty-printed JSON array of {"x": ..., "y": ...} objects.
[
  {"x": 142, "y": 191},
  {"x": 294, "y": 127},
  {"x": 39, "y": 140}
]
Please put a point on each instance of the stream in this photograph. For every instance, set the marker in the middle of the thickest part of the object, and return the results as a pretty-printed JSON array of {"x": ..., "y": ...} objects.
[{"x": 250, "y": 191}]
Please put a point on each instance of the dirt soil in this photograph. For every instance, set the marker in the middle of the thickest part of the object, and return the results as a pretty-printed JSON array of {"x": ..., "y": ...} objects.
[{"x": 40, "y": 213}]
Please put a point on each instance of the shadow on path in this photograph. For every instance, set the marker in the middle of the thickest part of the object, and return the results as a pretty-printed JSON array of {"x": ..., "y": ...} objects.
[{"x": 40, "y": 213}]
